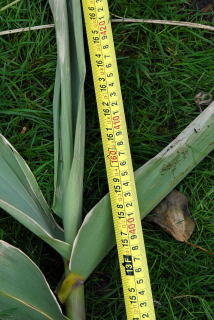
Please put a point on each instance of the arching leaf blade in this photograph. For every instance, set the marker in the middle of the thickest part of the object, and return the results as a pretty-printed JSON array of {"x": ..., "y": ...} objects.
[
  {"x": 60, "y": 246},
  {"x": 24, "y": 289},
  {"x": 63, "y": 121},
  {"x": 154, "y": 180},
  {"x": 69, "y": 115},
  {"x": 21, "y": 197}
]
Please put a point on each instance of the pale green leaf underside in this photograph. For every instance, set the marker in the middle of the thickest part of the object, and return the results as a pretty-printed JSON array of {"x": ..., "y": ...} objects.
[
  {"x": 68, "y": 106},
  {"x": 154, "y": 181},
  {"x": 58, "y": 179},
  {"x": 72, "y": 202},
  {"x": 64, "y": 137},
  {"x": 24, "y": 290},
  {"x": 16, "y": 176},
  {"x": 21, "y": 197},
  {"x": 72, "y": 210},
  {"x": 69, "y": 115}
]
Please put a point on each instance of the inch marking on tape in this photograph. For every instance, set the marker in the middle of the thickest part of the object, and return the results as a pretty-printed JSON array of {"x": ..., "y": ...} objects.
[{"x": 126, "y": 215}]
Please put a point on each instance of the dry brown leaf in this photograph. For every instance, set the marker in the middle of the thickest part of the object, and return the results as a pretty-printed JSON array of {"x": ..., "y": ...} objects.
[
  {"x": 207, "y": 8},
  {"x": 173, "y": 216}
]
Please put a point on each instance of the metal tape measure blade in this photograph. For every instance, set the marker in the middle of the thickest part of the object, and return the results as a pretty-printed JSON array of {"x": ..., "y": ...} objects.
[{"x": 126, "y": 216}]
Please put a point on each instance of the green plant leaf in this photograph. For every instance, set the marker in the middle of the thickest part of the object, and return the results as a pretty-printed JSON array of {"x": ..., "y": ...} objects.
[
  {"x": 154, "y": 180},
  {"x": 21, "y": 197},
  {"x": 63, "y": 121},
  {"x": 73, "y": 200},
  {"x": 72, "y": 205},
  {"x": 58, "y": 178},
  {"x": 69, "y": 115},
  {"x": 24, "y": 291}
]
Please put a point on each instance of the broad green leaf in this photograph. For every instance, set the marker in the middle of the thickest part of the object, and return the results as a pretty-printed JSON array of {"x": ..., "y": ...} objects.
[
  {"x": 154, "y": 180},
  {"x": 24, "y": 291},
  {"x": 63, "y": 101},
  {"x": 72, "y": 205},
  {"x": 69, "y": 115},
  {"x": 72, "y": 210},
  {"x": 21, "y": 197},
  {"x": 6, "y": 313}
]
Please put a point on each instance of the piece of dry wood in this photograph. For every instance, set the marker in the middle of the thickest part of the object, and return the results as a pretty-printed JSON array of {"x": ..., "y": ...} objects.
[
  {"x": 9, "y": 5},
  {"x": 166, "y": 22},
  {"x": 120, "y": 19},
  {"x": 45, "y": 26}
]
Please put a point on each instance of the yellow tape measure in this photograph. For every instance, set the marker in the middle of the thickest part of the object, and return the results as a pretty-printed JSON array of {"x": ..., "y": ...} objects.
[{"x": 126, "y": 216}]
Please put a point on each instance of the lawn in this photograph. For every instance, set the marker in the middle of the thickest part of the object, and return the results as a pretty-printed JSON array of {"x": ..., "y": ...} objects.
[{"x": 161, "y": 69}]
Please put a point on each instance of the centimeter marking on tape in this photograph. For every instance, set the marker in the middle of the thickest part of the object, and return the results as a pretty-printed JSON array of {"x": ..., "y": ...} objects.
[{"x": 126, "y": 216}]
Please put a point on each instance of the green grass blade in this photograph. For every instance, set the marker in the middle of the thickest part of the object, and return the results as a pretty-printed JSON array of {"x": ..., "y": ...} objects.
[
  {"x": 21, "y": 197},
  {"x": 24, "y": 289},
  {"x": 154, "y": 180}
]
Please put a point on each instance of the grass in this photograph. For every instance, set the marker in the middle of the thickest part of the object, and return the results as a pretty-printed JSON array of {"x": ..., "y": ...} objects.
[{"x": 161, "y": 68}]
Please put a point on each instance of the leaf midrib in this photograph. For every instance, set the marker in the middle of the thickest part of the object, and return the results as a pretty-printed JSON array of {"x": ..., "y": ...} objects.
[{"x": 26, "y": 304}]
